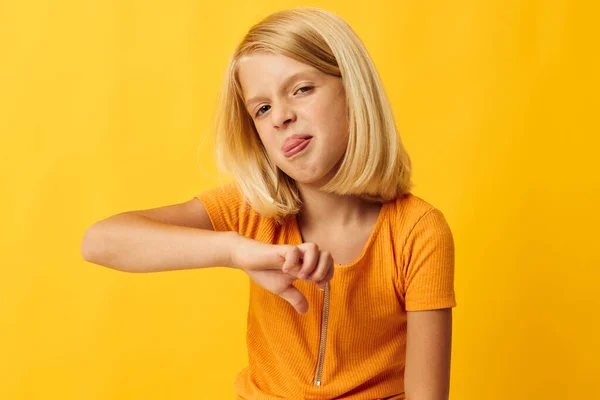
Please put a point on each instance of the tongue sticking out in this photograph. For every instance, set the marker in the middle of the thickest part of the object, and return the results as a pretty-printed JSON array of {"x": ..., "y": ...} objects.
[{"x": 293, "y": 143}]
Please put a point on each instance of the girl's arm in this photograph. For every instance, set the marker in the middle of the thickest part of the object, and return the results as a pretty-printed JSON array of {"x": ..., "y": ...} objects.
[
  {"x": 429, "y": 337},
  {"x": 181, "y": 236},
  {"x": 173, "y": 237}
]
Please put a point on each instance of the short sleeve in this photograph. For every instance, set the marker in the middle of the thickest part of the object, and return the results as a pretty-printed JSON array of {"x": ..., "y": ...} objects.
[
  {"x": 428, "y": 264},
  {"x": 223, "y": 205}
]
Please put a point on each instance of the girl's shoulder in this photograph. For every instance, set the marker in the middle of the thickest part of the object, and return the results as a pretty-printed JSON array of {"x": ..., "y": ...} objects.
[
  {"x": 409, "y": 211},
  {"x": 410, "y": 205},
  {"x": 225, "y": 205},
  {"x": 229, "y": 210}
]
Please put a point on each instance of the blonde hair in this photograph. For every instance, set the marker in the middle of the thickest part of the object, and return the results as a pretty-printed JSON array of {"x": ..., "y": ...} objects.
[{"x": 375, "y": 166}]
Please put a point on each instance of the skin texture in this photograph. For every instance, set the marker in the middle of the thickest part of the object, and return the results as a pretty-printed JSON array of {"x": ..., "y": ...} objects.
[{"x": 428, "y": 348}]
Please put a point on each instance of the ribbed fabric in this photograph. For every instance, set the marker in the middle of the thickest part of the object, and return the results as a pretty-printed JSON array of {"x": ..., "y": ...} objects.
[{"x": 407, "y": 264}]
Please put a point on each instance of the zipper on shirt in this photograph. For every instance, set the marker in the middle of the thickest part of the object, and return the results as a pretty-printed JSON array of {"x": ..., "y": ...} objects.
[{"x": 323, "y": 337}]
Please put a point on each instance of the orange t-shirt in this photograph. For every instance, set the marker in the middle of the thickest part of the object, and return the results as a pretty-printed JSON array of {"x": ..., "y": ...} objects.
[{"x": 351, "y": 344}]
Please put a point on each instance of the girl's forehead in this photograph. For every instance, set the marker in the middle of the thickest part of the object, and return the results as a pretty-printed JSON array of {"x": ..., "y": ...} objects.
[
  {"x": 270, "y": 61},
  {"x": 261, "y": 70}
]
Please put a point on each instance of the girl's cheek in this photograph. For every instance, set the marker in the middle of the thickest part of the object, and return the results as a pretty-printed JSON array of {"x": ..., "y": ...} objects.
[
  {"x": 270, "y": 145},
  {"x": 273, "y": 146}
]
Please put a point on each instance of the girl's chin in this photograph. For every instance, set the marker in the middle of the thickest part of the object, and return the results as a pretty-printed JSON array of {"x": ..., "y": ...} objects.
[{"x": 314, "y": 180}]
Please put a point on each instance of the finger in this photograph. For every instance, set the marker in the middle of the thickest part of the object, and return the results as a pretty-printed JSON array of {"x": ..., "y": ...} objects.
[
  {"x": 292, "y": 259},
  {"x": 323, "y": 267},
  {"x": 295, "y": 298},
  {"x": 321, "y": 284},
  {"x": 310, "y": 257}
]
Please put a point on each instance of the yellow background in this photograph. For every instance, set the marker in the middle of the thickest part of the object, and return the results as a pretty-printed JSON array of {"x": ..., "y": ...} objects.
[{"x": 106, "y": 107}]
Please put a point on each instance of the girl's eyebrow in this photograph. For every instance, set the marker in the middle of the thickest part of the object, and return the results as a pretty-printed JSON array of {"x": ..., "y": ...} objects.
[{"x": 288, "y": 81}]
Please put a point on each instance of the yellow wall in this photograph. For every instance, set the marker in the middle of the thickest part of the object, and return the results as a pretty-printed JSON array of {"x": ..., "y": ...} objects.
[{"x": 103, "y": 108}]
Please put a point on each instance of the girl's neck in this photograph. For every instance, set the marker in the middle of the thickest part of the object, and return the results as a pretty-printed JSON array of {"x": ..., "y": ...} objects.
[{"x": 331, "y": 210}]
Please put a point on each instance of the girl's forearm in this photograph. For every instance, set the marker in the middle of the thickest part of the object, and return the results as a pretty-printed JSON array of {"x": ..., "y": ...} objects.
[{"x": 134, "y": 243}]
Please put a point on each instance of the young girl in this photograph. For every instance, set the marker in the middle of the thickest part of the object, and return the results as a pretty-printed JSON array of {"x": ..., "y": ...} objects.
[{"x": 351, "y": 275}]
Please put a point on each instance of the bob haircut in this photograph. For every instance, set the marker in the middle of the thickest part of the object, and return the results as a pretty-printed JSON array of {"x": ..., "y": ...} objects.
[{"x": 375, "y": 166}]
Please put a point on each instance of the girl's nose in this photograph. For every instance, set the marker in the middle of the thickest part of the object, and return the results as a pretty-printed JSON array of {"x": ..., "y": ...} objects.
[{"x": 282, "y": 116}]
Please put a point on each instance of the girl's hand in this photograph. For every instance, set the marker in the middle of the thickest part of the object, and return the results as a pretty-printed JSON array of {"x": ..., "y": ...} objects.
[{"x": 275, "y": 267}]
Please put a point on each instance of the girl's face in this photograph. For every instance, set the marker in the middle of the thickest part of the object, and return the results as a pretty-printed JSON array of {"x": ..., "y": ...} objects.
[{"x": 299, "y": 113}]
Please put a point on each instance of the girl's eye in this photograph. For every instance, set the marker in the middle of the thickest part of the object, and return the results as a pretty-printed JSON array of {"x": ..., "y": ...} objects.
[
  {"x": 259, "y": 110},
  {"x": 258, "y": 113},
  {"x": 305, "y": 87}
]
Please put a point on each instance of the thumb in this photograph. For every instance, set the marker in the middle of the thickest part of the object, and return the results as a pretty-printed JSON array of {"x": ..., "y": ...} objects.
[
  {"x": 295, "y": 298},
  {"x": 274, "y": 256}
]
